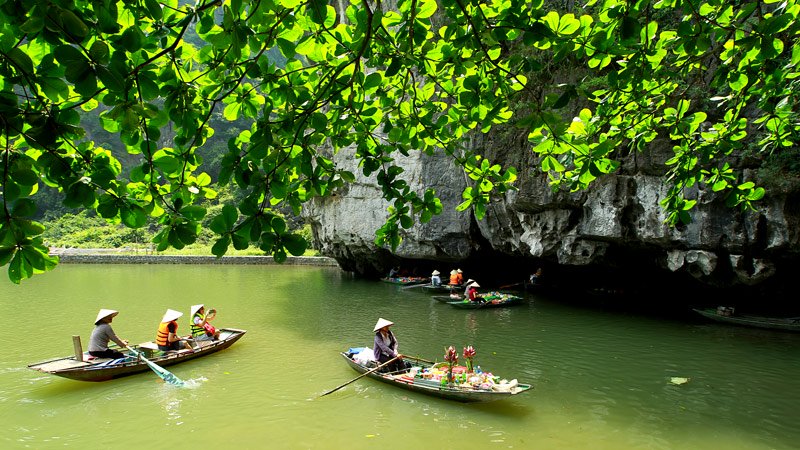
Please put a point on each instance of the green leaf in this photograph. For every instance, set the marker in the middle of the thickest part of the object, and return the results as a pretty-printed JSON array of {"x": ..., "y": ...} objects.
[
  {"x": 220, "y": 247},
  {"x": 426, "y": 8},
  {"x": 295, "y": 244},
  {"x": 193, "y": 212}
]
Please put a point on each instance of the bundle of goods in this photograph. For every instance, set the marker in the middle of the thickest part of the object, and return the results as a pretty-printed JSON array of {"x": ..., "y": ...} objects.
[
  {"x": 497, "y": 297},
  {"x": 437, "y": 375}
]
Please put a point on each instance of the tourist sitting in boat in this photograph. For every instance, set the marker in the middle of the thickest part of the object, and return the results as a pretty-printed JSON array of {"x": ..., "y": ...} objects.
[
  {"x": 167, "y": 338},
  {"x": 102, "y": 334},
  {"x": 385, "y": 348},
  {"x": 201, "y": 329},
  {"x": 454, "y": 277},
  {"x": 435, "y": 279},
  {"x": 472, "y": 292},
  {"x": 459, "y": 276}
]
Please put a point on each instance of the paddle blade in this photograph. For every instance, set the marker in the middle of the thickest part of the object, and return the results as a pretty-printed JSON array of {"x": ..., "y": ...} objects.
[{"x": 165, "y": 375}]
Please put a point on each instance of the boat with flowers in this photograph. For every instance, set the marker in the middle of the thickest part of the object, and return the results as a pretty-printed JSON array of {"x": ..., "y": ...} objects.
[
  {"x": 87, "y": 368},
  {"x": 465, "y": 385},
  {"x": 488, "y": 300}
]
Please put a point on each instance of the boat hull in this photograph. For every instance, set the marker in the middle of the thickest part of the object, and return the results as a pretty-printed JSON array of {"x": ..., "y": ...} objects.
[
  {"x": 771, "y": 323},
  {"x": 406, "y": 281},
  {"x": 483, "y": 305},
  {"x": 69, "y": 367},
  {"x": 435, "y": 390},
  {"x": 443, "y": 288}
]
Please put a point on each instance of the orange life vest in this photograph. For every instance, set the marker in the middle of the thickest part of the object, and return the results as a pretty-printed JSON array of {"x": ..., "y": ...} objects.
[
  {"x": 162, "y": 338},
  {"x": 454, "y": 279}
]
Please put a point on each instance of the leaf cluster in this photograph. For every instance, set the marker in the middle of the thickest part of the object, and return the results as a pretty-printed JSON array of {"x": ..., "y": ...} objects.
[{"x": 377, "y": 82}]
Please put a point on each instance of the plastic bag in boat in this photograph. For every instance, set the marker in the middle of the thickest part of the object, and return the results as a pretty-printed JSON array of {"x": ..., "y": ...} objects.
[{"x": 364, "y": 357}]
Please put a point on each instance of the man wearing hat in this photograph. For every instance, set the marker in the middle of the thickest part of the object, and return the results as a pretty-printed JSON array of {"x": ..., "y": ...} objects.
[
  {"x": 202, "y": 330},
  {"x": 459, "y": 276},
  {"x": 454, "y": 277},
  {"x": 385, "y": 348},
  {"x": 102, "y": 333},
  {"x": 435, "y": 279},
  {"x": 167, "y": 337}
]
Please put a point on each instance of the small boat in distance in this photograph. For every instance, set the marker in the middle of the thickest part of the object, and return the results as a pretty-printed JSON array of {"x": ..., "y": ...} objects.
[
  {"x": 451, "y": 391},
  {"x": 102, "y": 369},
  {"x": 444, "y": 288},
  {"x": 406, "y": 281},
  {"x": 772, "y": 323},
  {"x": 490, "y": 300}
]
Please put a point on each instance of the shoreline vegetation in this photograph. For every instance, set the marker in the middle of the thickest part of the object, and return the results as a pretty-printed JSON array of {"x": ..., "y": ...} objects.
[{"x": 135, "y": 255}]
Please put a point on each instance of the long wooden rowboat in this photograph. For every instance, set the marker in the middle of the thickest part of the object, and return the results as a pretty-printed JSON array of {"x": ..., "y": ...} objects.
[
  {"x": 445, "y": 298},
  {"x": 460, "y": 394},
  {"x": 444, "y": 288},
  {"x": 102, "y": 369},
  {"x": 508, "y": 301},
  {"x": 406, "y": 281},
  {"x": 773, "y": 323}
]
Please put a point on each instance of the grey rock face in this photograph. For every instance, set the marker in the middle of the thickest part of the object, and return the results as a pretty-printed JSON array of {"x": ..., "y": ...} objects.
[{"x": 619, "y": 213}]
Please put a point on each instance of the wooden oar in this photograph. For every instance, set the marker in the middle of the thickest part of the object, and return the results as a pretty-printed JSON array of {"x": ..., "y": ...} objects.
[
  {"x": 509, "y": 285},
  {"x": 361, "y": 376},
  {"x": 160, "y": 371}
]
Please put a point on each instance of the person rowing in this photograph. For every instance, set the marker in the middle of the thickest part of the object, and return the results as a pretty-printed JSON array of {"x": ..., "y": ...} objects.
[
  {"x": 102, "y": 334},
  {"x": 385, "y": 348}
]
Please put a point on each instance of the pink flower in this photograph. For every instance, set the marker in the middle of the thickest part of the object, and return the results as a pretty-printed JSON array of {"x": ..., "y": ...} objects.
[
  {"x": 469, "y": 352},
  {"x": 451, "y": 355}
]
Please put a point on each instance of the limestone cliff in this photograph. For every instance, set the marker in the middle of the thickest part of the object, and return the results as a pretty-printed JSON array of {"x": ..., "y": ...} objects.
[{"x": 613, "y": 231}]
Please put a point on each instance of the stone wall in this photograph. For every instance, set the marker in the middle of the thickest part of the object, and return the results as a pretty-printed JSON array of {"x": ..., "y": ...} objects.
[{"x": 176, "y": 259}]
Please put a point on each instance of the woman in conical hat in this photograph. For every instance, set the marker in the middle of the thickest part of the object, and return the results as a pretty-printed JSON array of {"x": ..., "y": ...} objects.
[
  {"x": 201, "y": 329},
  {"x": 472, "y": 292},
  {"x": 385, "y": 348},
  {"x": 167, "y": 337},
  {"x": 102, "y": 334}
]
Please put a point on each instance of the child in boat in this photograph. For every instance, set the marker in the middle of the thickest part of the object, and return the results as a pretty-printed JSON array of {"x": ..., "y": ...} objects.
[
  {"x": 102, "y": 333},
  {"x": 201, "y": 329}
]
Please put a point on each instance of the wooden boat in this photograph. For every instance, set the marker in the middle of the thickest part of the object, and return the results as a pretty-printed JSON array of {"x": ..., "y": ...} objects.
[
  {"x": 445, "y": 298},
  {"x": 457, "y": 393},
  {"x": 444, "y": 288},
  {"x": 490, "y": 300},
  {"x": 773, "y": 323},
  {"x": 102, "y": 369},
  {"x": 406, "y": 281}
]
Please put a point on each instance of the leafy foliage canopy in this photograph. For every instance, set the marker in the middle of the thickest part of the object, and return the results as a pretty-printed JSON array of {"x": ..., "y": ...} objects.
[{"x": 380, "y": 82}]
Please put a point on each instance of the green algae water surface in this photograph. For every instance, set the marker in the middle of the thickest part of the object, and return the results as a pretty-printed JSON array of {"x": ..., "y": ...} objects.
[{"x": 601, "y": 379}]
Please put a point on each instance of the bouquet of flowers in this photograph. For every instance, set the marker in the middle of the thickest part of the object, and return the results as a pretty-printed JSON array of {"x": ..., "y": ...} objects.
[
  {"x": 451, "y": 356},
  {"x": 469, "y": 353}
]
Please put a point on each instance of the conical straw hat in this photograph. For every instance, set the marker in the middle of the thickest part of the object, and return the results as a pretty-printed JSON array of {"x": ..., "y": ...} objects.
[
  {"x": 193, "y": 310},
  {"x": 105, "y": 313},
  {"x": 171, "y": 315},
  {"x": 382, "y": 323}
]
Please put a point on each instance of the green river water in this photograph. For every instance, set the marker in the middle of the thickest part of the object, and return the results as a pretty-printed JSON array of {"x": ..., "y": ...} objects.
[{"x": 601, "y": 379}]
